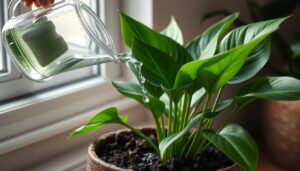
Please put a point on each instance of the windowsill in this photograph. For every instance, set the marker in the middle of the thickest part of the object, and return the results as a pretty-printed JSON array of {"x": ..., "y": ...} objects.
[{"x": 39, "y": 116}]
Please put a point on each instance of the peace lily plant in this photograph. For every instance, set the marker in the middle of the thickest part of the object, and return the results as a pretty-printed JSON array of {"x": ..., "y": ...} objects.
[{"x": 185, "y": 84}]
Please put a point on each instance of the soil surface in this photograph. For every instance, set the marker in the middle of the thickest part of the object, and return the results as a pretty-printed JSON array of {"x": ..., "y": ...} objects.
[{"x": 131, "y": 152}]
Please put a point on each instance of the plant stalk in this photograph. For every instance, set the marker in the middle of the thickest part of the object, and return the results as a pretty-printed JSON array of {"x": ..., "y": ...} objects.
[{"x": 199, "y": 129}]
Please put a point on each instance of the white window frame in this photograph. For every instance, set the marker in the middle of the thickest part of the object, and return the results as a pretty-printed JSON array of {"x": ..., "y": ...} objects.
[{"x": 47, "y": 115}]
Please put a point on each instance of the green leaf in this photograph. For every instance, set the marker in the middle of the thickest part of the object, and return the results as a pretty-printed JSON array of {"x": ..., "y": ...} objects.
[
  {"x": 236, "y": 144},
  {"x": 107, "y": 116},
  {"x": 173, "y": 31},
  {"x": 166, "y": 142},
  {"x": 205, "y": 45},
  {"x": 158, "y": 67},
  {"x": 153, "y": 90},
  {"x": 197, "y": 95},
  {"x": 132, "y": 29},
  {"x": 271, "y": 88},
  {"x": 214, "y": 72},
  {"x": 260, "y": 54},
  {"x": 221, "y": 106},
  {"x": 134, "y": 91}
]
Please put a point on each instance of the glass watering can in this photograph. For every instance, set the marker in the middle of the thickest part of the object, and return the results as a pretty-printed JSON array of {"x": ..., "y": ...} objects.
[{"x": 64, "y": 36}]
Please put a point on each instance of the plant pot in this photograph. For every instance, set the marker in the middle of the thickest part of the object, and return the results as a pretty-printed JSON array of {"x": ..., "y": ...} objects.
[
  {"x": 281, "y": 125},
  {"x": 94, "y": 163}
]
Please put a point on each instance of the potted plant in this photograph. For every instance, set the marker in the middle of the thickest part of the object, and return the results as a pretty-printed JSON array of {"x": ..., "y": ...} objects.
[
  {"x": 184, "y": 88},
  {"x": 280, "y": 119}
]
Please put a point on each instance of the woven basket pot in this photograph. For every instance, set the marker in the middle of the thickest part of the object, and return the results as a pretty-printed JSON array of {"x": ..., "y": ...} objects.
[
  {"x": 94, "y": 163},
  {"x": 281, "y": 127}
]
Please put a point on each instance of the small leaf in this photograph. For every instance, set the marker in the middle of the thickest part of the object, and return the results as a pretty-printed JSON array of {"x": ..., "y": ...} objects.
[
  {"x": 107, "y": 116},
  {"x": 132, "y": 29},
  {"x": 271, "y": 88},
  {"x": 205, "y": 45},
  {"x": 197, "y": 95},
  {"x": 173, "y": 31},
  {"x": 134, "y": 91},
  {"x": 158, "y": 67},
  {"x": 166, "y": 142},
  {"x": 236, "y": 144},
  {"x": 221, "y": 106},
  {"x": 260, "y": 54}
]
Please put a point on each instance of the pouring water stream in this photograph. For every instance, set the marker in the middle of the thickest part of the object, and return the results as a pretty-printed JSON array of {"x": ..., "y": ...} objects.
[{"x": 127, "y": 58}]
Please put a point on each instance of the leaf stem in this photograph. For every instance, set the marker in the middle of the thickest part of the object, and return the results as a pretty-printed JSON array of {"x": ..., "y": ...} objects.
[
  {"x": 186, "y": 112},
  {"x": 158, "y": 130},
  {"x": 169, "y": 131},
  {"x": 197, "y": 105},
  {"x": 218, "y": 97},
  {"x": 199, "y": 129}
]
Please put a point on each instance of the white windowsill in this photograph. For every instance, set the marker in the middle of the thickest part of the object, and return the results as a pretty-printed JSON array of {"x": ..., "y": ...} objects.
[{"x": 35, "y": 118}]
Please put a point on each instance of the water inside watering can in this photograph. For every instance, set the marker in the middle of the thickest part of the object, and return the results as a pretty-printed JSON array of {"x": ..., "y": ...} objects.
[{"x": 37, "y": 66}]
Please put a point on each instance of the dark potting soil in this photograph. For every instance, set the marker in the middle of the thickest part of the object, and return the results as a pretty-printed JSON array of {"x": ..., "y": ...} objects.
[{"x": 131, "y": 152}]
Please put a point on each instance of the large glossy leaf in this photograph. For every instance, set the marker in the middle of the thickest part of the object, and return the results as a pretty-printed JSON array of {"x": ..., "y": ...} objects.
[
  {"x": 166, "y": 142},
  {"x": 153, "y": 90},
  {"x": 236, "y": 144},
  {"x": 271, "y": 88},
  {"x": 134, "y": 91},
  {"x": 205, "y": 45},
  {"x": 158, "y": 67},
  {"x": 132, "y": 29},
  {"x": 260, "y": 54},
  {"x": 107, "y": 116},
  {"x": 173, "y": 31},
  {"x": 214, "y": 72}
]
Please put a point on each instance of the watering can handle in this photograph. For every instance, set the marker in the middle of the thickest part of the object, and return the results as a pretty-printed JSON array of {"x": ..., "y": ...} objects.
[{"x": 12, "y": 6}]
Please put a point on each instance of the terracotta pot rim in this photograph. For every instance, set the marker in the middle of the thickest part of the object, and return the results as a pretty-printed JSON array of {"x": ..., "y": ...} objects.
[{"x": 93, "y": 156}]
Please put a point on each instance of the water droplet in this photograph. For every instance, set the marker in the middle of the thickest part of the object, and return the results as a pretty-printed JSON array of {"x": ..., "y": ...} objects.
[
  {"x": 146, "y": 99},
  {"x": 143, "y": 80},
  {"x": 144, "y": 90}
]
